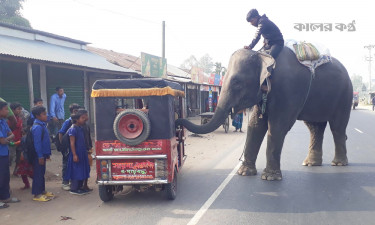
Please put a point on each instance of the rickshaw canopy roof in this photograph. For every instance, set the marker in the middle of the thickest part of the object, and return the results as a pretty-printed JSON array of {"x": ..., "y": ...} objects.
[{"x": 135, "y": 88}]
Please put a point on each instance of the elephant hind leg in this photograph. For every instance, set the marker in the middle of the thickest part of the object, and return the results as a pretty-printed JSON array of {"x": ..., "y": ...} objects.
[
  {"x": 338, "y": 131},
  {"x": 315, "y": 155}
]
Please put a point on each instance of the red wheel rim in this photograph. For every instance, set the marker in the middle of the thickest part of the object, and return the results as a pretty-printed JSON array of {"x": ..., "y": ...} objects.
[{"x": 130, "y": 126}]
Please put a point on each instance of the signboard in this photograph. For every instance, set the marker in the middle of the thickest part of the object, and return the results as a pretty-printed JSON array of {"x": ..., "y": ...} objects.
[
  {"x": 197, "y": 74},
  {"x": 133, "y": 169},
  {"x": 211, "y": 79},
  {"x": 217, "y": 79},
  {"x": 204, "y": 88},
  {"x": 153, "y": 66},
  {"x": 208, "y": 88},
  {"x": 117, "y": 147},
  {"x": 201, "y": 78},
  {"x": 206, "y": 77},
  {"x": 221, "y": 81},
  {"x": 210, "y": 100},
  {"x": 192, "y": 86}
]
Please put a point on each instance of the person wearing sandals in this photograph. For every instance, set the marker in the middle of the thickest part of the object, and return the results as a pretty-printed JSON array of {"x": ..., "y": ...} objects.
[
  {"x": 15, "y": 151},
  {"x": 238, "y": 120},
  {"x": 88, "y": 142},
  {"x": 78, "y": 169},
  {"x": 42, "y": 146},
  {"x": 6, "y": 136},
  {"x": 73, "y": 108}
]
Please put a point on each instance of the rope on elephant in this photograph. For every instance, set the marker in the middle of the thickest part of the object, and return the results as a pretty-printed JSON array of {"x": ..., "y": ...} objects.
[{"x": 308, "y": 90}]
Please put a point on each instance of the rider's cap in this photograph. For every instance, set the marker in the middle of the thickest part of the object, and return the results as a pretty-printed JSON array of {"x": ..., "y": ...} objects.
[{"x": 252, "y": 14}]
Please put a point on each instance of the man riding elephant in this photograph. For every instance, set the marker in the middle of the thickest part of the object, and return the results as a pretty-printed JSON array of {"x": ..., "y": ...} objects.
[
  {"x": 273, "y": 39},
  {"x": 296, "y": 94}
]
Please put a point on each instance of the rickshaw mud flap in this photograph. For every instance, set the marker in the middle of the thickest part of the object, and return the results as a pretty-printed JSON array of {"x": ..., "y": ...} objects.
[{"x": 132, "y": 182}]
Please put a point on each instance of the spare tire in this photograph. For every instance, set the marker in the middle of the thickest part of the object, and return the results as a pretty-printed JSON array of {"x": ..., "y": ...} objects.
[{"x": 132, "y": 127}]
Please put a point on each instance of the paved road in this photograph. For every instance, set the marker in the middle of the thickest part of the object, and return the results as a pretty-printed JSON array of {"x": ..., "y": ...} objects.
[
  {"x": 307, "y": 195},
  {"x": 209, "y": 194}
]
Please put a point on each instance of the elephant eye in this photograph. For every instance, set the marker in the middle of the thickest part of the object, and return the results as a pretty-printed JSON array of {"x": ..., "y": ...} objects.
[{"x": 236, "y": 83}]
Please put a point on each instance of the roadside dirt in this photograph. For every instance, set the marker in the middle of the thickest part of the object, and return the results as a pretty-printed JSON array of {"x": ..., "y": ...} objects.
[{"x": 70, "y": 209}]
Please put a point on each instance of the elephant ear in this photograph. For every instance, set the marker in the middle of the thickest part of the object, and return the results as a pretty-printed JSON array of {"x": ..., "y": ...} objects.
[{"x": 268, "y": 64}]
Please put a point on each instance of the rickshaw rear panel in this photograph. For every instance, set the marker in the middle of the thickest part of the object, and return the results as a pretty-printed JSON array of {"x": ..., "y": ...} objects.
[{"x": 124, "y": 110}]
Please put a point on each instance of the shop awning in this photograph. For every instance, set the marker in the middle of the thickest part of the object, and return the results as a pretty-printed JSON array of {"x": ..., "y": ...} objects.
[
  {"x": 136, "y": 88},
  {"x": 39, "y": 50}
]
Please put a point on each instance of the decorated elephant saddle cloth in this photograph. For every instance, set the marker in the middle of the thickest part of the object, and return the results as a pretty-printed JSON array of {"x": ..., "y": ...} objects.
[{"x": 308, "y": 54}]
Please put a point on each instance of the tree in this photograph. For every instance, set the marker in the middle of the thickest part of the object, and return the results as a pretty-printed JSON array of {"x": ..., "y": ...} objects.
[
  {"x": 205, "y": 62},
  {"x": 364, "y": 88},
  {"x": 220, "y": 69},
  {"x": 357, "y": 82},
  {"x": 217, "y": 67},
  {"x": 10, "y": 13},
  {"x": 189, "y": 63}
]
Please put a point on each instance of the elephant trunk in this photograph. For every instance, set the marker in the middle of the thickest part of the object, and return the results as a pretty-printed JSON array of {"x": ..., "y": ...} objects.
[{"x": 216, "y": 121}]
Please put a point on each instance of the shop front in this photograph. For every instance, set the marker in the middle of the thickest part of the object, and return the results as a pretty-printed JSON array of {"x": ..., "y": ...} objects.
[
  {"x": 192, "y": 99},
  {"x": 209, "y": 98}
]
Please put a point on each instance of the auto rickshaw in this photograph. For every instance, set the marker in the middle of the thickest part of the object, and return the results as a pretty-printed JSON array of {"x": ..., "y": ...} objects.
[
  {"x": 207, "y": 116},
  {"x": 136, "y": 141},
  {"x": 355, "y": 99}
]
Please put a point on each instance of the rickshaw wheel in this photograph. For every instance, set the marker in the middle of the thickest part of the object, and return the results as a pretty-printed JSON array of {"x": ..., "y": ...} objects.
[
  {"x": 132, "y": 127},
  {"x": 171, "y": 188},
  {"x": 105, "y": 193}
]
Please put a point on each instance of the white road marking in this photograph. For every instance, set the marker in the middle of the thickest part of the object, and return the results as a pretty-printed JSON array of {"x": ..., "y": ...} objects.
[
  {"x": 358, "y": 130},
  {"x": 213, "y": 197},
  {"x": 369, "y": 189}
]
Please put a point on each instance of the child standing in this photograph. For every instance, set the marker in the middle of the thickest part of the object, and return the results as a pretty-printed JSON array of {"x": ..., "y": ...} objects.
[
  {"x": 73, "y": 108},
  {"x": 25, "y": 170},
  {"x": 5, "y": 137},
  {"x": 42, "y": 147},
  {"x": 37, "y": 102},
  {"x": 15, "y": 151},
  {"x": 88, "y": 142},
  {"x": 78, "y": 168}
]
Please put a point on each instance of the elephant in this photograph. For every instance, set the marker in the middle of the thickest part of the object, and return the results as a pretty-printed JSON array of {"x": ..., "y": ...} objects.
[{"x": 296, "y": 94}]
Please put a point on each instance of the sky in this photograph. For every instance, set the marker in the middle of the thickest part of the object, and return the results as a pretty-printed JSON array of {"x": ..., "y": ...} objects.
[{"x": 197, "y": 27}]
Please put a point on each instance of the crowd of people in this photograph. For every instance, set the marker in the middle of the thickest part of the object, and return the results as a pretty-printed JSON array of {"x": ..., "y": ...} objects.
[{"x": 25, "y": 139}]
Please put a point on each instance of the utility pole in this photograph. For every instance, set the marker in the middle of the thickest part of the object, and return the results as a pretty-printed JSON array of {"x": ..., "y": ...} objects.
[
  {"x": 163, "y": 40},
  {"x": 369, "y": 59}
]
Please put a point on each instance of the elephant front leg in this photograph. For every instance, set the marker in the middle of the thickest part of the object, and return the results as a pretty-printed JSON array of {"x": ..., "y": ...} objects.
[
  {"x": 315, "y": 155},
  {"x": 255, "y": 134},
  {"x": 275, "y": 141}
]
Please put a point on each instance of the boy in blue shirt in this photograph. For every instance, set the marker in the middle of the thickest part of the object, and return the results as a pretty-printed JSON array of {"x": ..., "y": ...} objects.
[
  {"x": 42, "y": 147},
  {"x": 37, "y": 102},
  {"x": 6, "y": 136},
  {"x": 11, "y": 118},
  {"x": 73, "y": 108}
]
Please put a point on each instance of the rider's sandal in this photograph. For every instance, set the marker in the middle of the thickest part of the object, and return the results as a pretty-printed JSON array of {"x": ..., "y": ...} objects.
[{"x": 41, "y": 198}]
